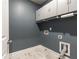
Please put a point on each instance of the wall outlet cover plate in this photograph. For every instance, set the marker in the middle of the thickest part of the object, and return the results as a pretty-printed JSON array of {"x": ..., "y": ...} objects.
[{"x": 60, "y": 37}]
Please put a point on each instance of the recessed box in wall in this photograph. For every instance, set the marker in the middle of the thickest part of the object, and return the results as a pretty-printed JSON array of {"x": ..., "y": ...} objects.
[{"x": 61, "y": 45}]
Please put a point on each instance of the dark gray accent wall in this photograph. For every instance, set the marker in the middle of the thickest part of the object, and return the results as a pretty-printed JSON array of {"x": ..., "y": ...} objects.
[
  {"x": 67, "y": 27},
  {"x": 52, "y": 42},
  {"x": 24, "y": 31},
  {"x": 63, "y": 25}
]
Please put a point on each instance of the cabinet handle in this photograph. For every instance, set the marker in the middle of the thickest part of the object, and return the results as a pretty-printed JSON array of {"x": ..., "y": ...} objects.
[
  {"x": 69, "y": 1},
  {"x": 49, "y": 10}
]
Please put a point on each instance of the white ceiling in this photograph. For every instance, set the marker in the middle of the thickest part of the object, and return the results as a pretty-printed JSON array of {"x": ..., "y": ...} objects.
[{"x": 39, "y": 1}]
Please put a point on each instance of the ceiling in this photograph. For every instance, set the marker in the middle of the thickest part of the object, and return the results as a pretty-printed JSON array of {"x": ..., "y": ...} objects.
[{"x": 39, "y": 1}]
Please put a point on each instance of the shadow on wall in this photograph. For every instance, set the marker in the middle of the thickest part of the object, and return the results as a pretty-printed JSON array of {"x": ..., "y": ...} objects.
[{"x": 64, "y": 25}]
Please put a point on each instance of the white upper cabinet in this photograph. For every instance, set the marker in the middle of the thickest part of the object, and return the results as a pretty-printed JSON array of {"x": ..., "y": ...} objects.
[
  {"x": 56, "y": 7},
  {"x": 72, "y": 5},
  {"x": 38, "y": 15},
  {"x": 65, "y": 6},
  {"x": 62, "y": 7},
  {"x": 49, "y": 10},
  {"x": 43, "y": 12}
]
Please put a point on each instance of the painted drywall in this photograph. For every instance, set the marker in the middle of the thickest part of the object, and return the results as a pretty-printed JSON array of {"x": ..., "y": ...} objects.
[
  {"x": 67, "y": 27},
  {"x": 24, "y": 31},
  {"x": 63, "y": 25}
]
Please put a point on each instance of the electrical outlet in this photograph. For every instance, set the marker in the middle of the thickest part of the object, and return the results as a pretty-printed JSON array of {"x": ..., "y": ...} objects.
[
  {"x": 60, "y": 36},
  {"x": 50, "y": 28}
]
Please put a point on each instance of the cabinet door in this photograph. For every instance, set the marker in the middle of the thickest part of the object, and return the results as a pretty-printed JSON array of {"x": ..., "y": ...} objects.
[
  {"x": 43, "y": 12},
  {"x": 52, "y": 8},
  {"x": 72, "y": 5},
  {"x": 40, "y": 14},
  {"x": 62, "y": 7},
  {"x": 49, "y": 10},
  {"x": 37, "y": 15}
]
